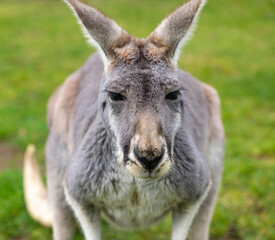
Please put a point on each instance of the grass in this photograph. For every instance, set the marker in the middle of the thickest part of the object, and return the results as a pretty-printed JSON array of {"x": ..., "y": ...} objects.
[{"x": 233, "y": 49}]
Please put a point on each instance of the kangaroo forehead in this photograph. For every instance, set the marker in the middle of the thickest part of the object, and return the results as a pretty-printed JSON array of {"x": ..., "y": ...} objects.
[
  {"x": 140, "y": 79},
  {"x": 139, "y": 52}
]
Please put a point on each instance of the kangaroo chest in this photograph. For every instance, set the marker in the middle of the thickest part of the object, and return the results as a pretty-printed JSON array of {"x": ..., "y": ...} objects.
[{"x": 137, "y": 204}]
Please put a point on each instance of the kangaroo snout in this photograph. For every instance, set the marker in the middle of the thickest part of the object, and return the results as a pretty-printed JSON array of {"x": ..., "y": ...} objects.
[
  {"x": 149, "y": 159},
  {"x": 148, "y": 156}
]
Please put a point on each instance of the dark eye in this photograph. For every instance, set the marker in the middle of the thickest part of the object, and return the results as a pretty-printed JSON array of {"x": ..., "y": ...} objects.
[
  {"x": 173, "y": 95},
  {"x": 116, "y": 97}
]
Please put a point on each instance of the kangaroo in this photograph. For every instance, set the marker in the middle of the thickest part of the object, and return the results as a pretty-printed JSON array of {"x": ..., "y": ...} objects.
[{"x": 131, "y": 136}]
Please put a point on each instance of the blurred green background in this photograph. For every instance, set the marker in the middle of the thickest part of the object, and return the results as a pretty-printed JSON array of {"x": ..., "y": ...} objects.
[{"x": 233, "y": 49}]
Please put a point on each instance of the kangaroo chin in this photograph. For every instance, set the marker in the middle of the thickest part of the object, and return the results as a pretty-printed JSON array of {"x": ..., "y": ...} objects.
[{"x": 125, "y": 141}]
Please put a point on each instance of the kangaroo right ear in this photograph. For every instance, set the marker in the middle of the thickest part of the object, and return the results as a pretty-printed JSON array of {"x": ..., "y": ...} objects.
[
  {"x": 101, "y": 31},
  {"x": 176, "y": 29}
]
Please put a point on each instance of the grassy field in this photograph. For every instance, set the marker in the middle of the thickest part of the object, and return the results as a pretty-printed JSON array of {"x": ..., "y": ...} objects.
[{"x": 233, "y": 49}]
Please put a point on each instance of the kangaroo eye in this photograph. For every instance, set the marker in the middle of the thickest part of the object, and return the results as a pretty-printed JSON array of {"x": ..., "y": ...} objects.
[
  {"x": 173, "y": 95},
  {"x": 116, "y": 97}
]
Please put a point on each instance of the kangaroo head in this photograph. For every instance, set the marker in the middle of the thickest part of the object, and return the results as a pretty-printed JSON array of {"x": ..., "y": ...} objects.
[{"x": 141, "y": 100}]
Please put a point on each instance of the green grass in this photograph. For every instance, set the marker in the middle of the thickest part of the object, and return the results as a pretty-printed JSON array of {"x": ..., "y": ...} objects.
[{"x": 233, "y": 49}]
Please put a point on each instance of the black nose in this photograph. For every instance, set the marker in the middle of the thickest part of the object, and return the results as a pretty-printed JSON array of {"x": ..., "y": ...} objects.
[{"x": 149, "y": 163}]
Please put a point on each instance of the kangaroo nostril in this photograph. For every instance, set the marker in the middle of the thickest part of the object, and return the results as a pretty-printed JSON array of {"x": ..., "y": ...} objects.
[{"x": 147, "y": 163}]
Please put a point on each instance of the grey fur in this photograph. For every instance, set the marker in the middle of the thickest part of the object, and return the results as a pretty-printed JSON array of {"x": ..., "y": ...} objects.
[{"x": 88, "y": 132}]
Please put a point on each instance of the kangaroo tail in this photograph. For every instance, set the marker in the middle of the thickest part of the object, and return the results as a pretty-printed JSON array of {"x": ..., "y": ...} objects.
[{"x": 36, "y": 196}]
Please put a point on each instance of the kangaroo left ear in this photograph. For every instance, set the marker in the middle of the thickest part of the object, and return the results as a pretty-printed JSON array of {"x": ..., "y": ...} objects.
[
  {"x": 176, "y": 29},
  {"x": 101, "y": 31}
]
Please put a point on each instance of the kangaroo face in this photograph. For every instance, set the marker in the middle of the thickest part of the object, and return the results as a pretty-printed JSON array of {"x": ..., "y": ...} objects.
[
  {"x": 141, "y": 100},
  {"x": 142, "y": 104}
]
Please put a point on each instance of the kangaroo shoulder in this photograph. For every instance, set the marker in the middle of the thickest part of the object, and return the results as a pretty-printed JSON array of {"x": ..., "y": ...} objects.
[
  {"x": 215, "y": 125},
  {"x": 61, "y": 104}
]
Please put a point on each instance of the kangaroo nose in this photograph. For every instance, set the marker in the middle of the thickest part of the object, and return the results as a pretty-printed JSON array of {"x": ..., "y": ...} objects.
[{"x": 149, "y": 163}]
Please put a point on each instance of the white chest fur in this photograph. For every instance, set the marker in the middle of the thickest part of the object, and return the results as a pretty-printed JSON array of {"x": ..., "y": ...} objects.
[{"x": 136, "y": 203}]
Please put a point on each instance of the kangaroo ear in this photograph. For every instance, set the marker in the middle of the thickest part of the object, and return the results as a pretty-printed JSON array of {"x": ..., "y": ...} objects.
[
  {"x": 176, "y": 29},
  {"x": 101, "y": 31}
]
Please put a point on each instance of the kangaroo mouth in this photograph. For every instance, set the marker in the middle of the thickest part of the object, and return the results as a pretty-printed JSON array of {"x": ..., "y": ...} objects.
[{"x": 137, "y": 169}]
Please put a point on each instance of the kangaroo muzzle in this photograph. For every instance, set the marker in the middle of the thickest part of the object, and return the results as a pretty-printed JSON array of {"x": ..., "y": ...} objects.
[
  {"x": 148, "y": 156},
  {"x": 148, "y": 160}
]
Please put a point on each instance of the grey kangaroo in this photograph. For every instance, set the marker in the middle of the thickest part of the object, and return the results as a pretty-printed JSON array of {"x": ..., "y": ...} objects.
[{"x": 132, "y": 137}]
